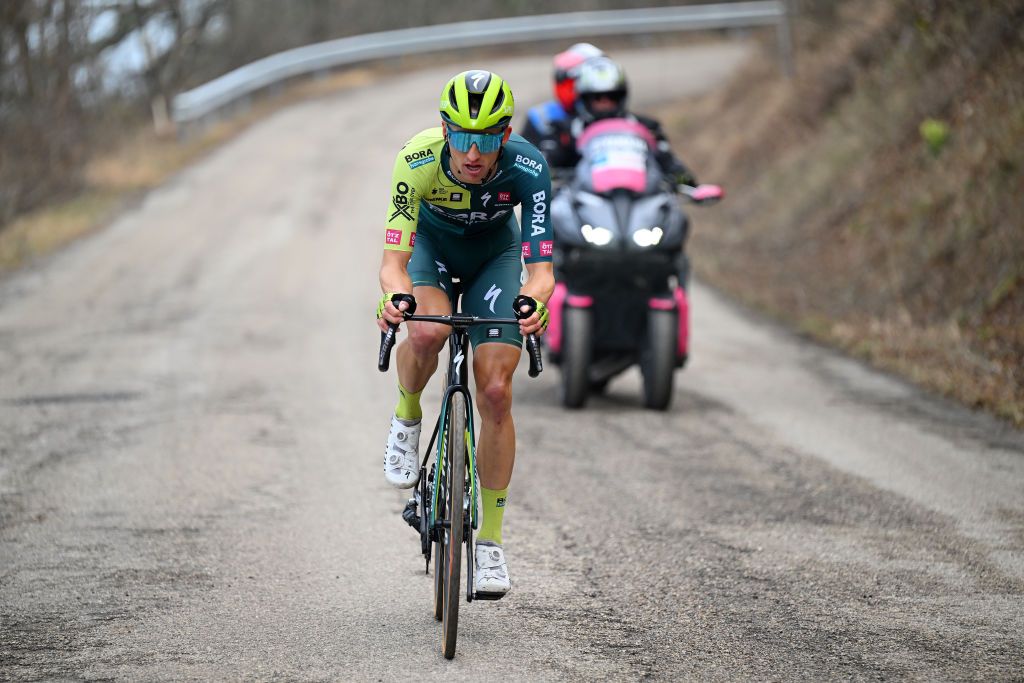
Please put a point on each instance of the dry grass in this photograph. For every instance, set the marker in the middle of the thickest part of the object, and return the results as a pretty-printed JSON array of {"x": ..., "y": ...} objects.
[
  {"x": 843, "y": 222},
  {"x": 141, "y": 160}
]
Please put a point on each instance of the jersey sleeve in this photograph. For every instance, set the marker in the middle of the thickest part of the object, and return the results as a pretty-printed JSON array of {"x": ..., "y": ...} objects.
[
  {"x": 409, "y": 184},
  {"x": 535, "y": 191}
]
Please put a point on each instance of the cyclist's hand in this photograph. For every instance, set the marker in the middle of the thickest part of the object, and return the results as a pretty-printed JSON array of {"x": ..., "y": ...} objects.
[
  {"x": 537, "y": 321},
  {"x": 389, "y": 312}
]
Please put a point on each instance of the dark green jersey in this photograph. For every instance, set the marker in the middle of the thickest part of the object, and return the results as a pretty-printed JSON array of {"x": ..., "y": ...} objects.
[{"x": 424, "y": 189}]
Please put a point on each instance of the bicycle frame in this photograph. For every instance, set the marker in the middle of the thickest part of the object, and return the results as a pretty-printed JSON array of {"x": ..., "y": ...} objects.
[
  {"x": 438, "y": 512},
  {"x": 456, "y": 382}
]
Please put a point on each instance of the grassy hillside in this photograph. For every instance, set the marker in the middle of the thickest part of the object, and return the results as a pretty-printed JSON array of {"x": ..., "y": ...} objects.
[{"x": 876, "y": 201}]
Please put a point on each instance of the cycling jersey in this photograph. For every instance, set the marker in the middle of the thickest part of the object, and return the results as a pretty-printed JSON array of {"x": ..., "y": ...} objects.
[{"x": 424, "y": 190}]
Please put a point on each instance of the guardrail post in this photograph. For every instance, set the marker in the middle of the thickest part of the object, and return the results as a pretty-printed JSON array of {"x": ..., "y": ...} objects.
[{"x": 785, "y": 36}]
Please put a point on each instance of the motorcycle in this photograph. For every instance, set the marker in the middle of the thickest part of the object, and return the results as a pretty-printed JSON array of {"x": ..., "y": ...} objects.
[{"x": 620, "y": 267}]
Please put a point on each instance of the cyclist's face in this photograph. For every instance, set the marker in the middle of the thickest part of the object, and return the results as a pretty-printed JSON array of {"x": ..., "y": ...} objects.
[{"x": 474, "y": 166}]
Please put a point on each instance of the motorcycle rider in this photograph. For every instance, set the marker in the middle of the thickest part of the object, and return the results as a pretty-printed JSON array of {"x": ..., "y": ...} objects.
[
  {"x": 547, "y": 124},
  {"x": 601, "y": 93}
]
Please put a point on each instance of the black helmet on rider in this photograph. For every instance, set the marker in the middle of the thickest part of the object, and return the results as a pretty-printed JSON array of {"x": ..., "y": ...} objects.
[
  {"x": 600, "y": 90},
  {"x": 567, "y": 68}
]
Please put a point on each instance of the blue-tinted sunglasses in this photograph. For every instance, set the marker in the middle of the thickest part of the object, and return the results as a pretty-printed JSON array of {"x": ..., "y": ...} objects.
[{"x": 463, "y": 140}]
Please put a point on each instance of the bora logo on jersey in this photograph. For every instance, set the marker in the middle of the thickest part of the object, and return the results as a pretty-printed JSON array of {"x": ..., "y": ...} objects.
[{"x": 417, "y": 159}]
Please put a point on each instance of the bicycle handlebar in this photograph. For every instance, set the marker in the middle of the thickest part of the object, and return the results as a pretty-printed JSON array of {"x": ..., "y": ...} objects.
[
  {"x": 387, "y": 339},
  {"x": 532, "y": 345}
]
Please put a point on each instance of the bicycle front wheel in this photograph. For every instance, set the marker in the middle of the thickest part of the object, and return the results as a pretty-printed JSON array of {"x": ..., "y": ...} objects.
[{"x": 454, "y": 488}]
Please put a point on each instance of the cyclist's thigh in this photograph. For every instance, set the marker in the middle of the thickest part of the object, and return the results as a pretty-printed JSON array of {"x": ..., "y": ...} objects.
[
  {"x": 429, "y": 267},
  {"x": 490, "y": 291}
]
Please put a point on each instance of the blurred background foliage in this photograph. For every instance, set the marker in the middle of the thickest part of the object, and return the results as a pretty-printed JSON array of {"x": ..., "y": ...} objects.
[
  {"x": 876, "y": 201},
  {"x": 75, "y": 73}
]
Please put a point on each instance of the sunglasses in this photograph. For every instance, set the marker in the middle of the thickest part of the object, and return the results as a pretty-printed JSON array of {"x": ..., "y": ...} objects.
[{"x": 463, "y": 140}]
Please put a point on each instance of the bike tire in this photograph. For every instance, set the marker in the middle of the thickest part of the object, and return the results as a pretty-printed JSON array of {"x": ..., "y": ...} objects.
[
  {"x": 439, "y": 573},
  {"x": 576, "y": 350},
  {"x": 455, "y": 484},
  {"x": 658, "y": 359}
]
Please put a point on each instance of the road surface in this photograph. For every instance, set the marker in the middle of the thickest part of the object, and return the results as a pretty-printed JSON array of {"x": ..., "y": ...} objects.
[{"x": 191, "y": 426}]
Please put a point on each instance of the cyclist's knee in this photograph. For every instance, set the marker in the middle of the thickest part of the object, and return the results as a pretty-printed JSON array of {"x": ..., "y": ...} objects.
[
  {"x": 495, "y": 395},
  {"x": 427, "y": 340}
]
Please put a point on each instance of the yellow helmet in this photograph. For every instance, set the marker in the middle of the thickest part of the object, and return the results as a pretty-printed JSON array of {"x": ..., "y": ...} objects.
[{"x": 477, "y": 100}]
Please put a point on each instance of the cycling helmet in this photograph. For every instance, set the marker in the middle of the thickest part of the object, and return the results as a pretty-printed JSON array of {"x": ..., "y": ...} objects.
[
  {"x": 600, "y": 79},
  {"x": 477, "y": 100},
  {"x": 567, "y": 66}
]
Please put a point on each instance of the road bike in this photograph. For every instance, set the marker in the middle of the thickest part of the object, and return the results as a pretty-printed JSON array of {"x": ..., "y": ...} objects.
[{"x": 445, "y": 507}]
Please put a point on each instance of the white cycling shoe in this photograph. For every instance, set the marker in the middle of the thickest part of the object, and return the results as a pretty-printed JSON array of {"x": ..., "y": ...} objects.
[
  {"x": 401, "y": 455},
  {"x": 491, "y": 575}
]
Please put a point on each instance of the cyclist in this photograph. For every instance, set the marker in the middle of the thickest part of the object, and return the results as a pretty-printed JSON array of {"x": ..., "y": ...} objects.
[
  {"x": 547, "y": 124},
  {"x": 453, "y": 190},
  {"x": 601, "y": 93}
]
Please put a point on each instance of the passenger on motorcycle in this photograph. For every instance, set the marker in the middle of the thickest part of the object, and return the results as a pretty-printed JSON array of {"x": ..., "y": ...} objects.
[
  {"x": 601, "y": 93},
  {"x": 454, "y": 191},
  {"x": 547, "y": 124}
]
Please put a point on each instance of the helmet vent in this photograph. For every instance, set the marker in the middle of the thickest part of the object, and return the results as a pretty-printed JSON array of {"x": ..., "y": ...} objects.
[
  {"x": 498, "y": 102},
  {"x": 451, "y": 98}
]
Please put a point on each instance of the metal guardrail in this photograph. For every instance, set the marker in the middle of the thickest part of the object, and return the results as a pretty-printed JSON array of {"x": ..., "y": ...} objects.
[{"x": 195, "y": 104}]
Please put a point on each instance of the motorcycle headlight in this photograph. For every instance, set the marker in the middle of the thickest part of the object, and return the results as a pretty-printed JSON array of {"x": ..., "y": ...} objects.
[
  {"x": 597, "y": 235},
  {"x": 647, "y": 238}
]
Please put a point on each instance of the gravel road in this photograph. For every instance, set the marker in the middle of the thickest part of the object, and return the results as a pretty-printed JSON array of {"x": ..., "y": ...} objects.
[{"x": 191, "y": 425}]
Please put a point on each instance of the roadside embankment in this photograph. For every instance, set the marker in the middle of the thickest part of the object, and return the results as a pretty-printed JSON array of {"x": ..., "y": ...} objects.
[{"x": 876, "y": 201}]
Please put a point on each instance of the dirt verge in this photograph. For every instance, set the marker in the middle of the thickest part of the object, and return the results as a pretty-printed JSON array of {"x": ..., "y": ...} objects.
[{"x": 874, "y": 201}]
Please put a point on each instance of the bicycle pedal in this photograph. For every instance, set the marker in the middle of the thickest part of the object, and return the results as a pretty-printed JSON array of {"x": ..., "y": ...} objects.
[
  {"x": 410, "y": 516},
  {"x": 480, "y": 595}
]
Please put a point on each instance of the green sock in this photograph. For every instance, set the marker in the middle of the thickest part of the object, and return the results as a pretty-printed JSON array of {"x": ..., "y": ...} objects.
[
  {"x": 494, "y": 511},
  {"x": 408, "y": 407}
]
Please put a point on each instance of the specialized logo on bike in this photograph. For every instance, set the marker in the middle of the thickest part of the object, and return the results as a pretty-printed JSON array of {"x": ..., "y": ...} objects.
[
  {"x": 417, "y": 159},
  {"x": 401, "y": 202}
]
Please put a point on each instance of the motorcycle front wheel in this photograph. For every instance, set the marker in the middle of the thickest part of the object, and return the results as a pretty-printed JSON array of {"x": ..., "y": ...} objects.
[
  {"x": 658, "y": 358},
  {"x": 577, "y": 344}
]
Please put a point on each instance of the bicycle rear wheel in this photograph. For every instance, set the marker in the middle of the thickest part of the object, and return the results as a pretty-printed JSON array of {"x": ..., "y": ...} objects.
[{"x": 455, "y": 488}]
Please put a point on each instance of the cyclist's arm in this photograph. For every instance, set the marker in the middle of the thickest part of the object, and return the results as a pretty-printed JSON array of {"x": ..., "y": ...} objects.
[
  {"x": 540, "y": 283},
  {"x": 414, "y": 166},
  {"x": 394, "y": 277},
  {"x": 410, "y": 182},
  {"x": 538, "y": 240}
]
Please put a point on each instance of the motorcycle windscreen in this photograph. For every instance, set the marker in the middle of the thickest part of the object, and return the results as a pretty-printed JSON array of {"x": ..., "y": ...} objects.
[{"x": 615, "y": 153}]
